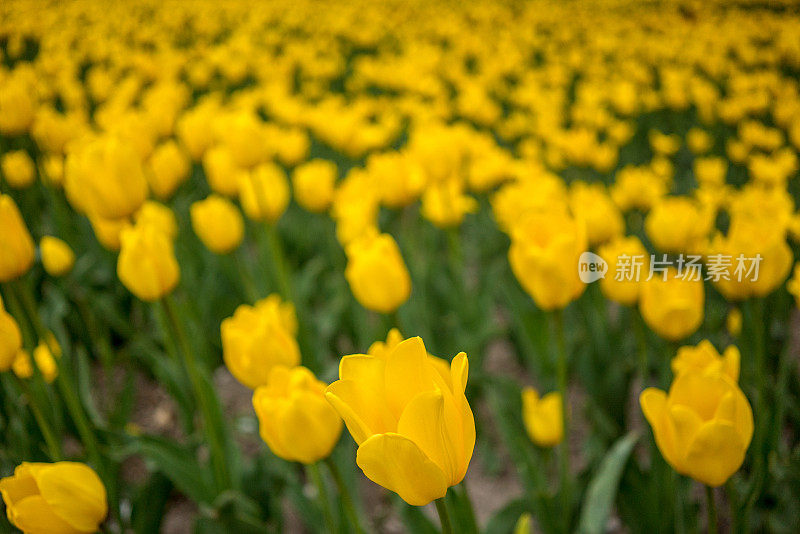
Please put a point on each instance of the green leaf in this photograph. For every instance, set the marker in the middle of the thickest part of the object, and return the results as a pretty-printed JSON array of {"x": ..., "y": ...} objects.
[
  {"x": 149, "y": 504},
  {"x": 603, "y": 488}
]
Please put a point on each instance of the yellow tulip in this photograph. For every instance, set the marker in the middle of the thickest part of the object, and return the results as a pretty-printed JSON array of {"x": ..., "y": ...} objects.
[
  {"x": 257, "y": 338},
  {"x": 146, "y": 263},
  {"x": 218, "y": 223},
  {"x": 445, "y": 204},
  {"x": 10, "y": 339},
  {"x": 18, "y": 169},
  {"x": 710, "y": 171},
  {"x": 53, "y": 167},
  {"x": 699, "y": 141},
  {"x": 108, "y": 231},
  {"x": 592, "y": 204},
  {"x": 17, "y": 106},
  {"x": 57, "y": 257},
  {"x": 545, "y": 247},
  {"x": 222, "y": 174},
  {"x": 543, "y": 417},
  {"x": 159, "y": 216},
  {"x": 57, "y": 498},
  {"x": 264, "y": 192},
  {"x": 105, "y": 178},
  {"x": 702, "y": 427},
  {"x": 295, "y": 420},
  {"x": 44, "y": 355},
  {"x": 733, "y": 322},
  {"x": 17, "y": 249},
  {"x": 410, "y": 418},
  {"x": 672, "y": 308},
  {"x": 793, "y": 286},
  {"x": 705, "y": 358},
  {"x": 169, "y": 168},
  {"x": 678, "y": 224},
  {"x": 313, "y": 183},
  {"x": 628, "y": 264},
  {"x": 377, "y": 275}
]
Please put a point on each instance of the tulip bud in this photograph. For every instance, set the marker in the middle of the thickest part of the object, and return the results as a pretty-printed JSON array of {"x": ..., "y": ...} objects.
[
  {"x": 702, "y": 427},
  {"x": 543, "y": 417},
  {"x": 63, "y": 497},
  {"x": 295, "y": 420},
  {"x": 377, "y": 275},
  {"x": 411, "y": 420},
  {"x": 108, "y": 231},
  {"x": 544, "y": 253},
  {"x": 678, "y": 224},
  {"x": 17, "y": 249},
  {"x": 672, "y": 308},
  {"x": 592, "y": 204},
  {"x": 218, "y": 223},
  {"x": 445, "y": 204},
  {"x": 44, "y": 355},
  {"x": 10, "y": 339},
  {"x": 622, "y": 282},
  {"x": 222, "y": 174},
  {"x": 258, "y": 338},
  {"x": 313, "y": 183},
  {"x": 264, "y": 193},
  {"x": 146, "y": 263},
  {"x": 57, "y": 257},
  {"x": 18, "y": 169},
  {"x": 169, "y": 168}
]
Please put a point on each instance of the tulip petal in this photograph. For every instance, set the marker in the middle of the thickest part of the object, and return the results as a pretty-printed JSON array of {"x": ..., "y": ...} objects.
[
  {"x": 75, "y": 493},
  {"x": 731, "y": 358},
  {"x": 684, "y": 424},
  {"x": 309, "y": 415},
  {"x": 344, "y": 397},
  {"x": 716, "y": 453},
  {"x": 408, "y": 374},
  {"x": 653, "y": 402},
  {"x": 424, "y": 424},
  {"x": 459, "y": 371},
  {"x": 33, "y": 515},
  {"x": 397, "y": 463}
]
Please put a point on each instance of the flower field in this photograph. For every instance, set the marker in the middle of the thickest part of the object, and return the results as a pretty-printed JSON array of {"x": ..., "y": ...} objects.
[{"x": 401, "y": 266}]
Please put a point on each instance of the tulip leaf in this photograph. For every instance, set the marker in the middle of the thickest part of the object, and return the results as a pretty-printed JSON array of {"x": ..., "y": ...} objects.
[
  {"x": 149, "y": 505},
  {"x": 602, "y": 489}
]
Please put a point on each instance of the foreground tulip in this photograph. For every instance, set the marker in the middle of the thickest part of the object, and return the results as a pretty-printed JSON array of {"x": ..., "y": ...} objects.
[
  {"x": 10, "y": 339},
  {"x": 218, "y": 223},
  {"x": 57, "y": 257},
  {"x": 705, "y": 358},
  {"x": 703, "y": 426},
  {"x": 411, "y": 420},
  {"x": 17, "y": 249},
  {"x": 672, "y": 308},
  {"x": 57, "y": 498},
  {"x": 146, "y": 263},
  {"x": 295, "y": 420},
  {"x": 544, "y": 253},
  {"x": 258, "y": 338},
  {"x": 377, "y": 275},
  {"x": 543, "y": 417}
]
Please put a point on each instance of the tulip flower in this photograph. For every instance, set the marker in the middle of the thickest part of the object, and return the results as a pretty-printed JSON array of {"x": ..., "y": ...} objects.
[
  {"x": 17, "y": 106},
  {"x": 672, "y": 308},
  {"x": 161, "y": 217},
  {"x": 10, "y": 339},
  {"x": 264, "y": 193},
  {"x": 109, "y": 231},
  {"x": 105, "y": 178},
  {"x": 169, "y": 167},
  {"x": 17, "y": 249},
  {"x": 18, "y": 169},
  {"x": 218, "y": 223},
  {"x": 62, "y": 497},
  {"x": 257, "y": 338},
  {"x": 146, "y": 263},
  {"x": 411, "y": 420},
  {"x": 702, "y": 426},
  {"x": 222, "y": 174},
  {"x": 313, "y": 184},
  {"x": 295, "y": 420},
  {"x": 705, "y": 358},
  {"x": 592, "y": 204},
  {"x": 545, "y": 247},
  {"x": 543, "y": 417},
  {"x": 445, "y": 204},
  {"x": 57, "y": 256},
  {"x": 377, "y": 274},
  {"x": 678, "y": 224}
]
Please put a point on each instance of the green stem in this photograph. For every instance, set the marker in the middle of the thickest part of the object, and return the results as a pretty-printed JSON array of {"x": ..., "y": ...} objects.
[
  {"x": 53, "y": 445},
  {"x": 470, "y": 510},
  {"x": 279, "y": 262},
  {"x": 215, "y": 442},
  {"x": 322, "y": 492},
  {"x": 444, "y": 517},
  {"x": 641, "y": 338},
  {"x": 344, "y": 494},
  {"x": 561, "y": 372},
  {"x": 712, "y": 511},
  {"x": 248, "y": 284},
  {"x": 756, "y": 318}
]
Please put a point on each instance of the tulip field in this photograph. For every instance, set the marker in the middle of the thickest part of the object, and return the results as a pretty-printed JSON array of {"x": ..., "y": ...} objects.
[{"x": 399, "y": 266}]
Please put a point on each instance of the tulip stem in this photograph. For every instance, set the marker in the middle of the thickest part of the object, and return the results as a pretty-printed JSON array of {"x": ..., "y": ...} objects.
[
  {"x": 561, "y": 370},
  {"x": 53, "y": 446},
  {"x": 322, "y": 495},
  {"x": 444, "y": 517},
  {"x": 279, "y": 262},
  {"x": 214, "y": 441},
  {"x": 712, "y": 511},
  {"x": 344, "y": 494}
]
